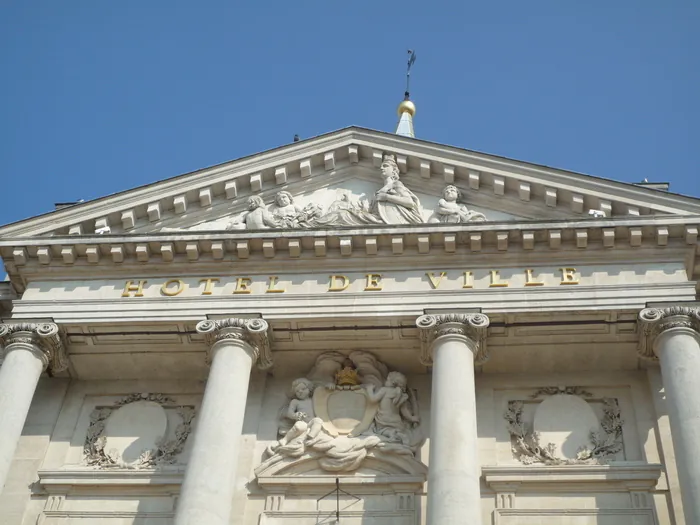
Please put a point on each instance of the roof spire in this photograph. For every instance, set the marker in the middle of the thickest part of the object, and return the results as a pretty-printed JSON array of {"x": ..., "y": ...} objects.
[{"x": 407, "y": 108}]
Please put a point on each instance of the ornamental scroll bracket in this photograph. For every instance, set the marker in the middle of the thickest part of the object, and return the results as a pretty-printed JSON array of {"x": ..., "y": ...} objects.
[
  {"x": 473, "y": 326},
  {"x": 43, "y": 338},
  {"x": 254, "y": 332},
  {"x": 654, "y": 321}
]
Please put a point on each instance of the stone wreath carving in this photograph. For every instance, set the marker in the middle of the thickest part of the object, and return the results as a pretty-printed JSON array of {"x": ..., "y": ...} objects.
[
  {"x": 166, "y": 452},
  {"x": 528, "y": 448}
]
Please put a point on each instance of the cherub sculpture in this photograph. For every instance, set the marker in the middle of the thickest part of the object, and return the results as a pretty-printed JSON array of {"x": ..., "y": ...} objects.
[{"x": 394, "y": 416}]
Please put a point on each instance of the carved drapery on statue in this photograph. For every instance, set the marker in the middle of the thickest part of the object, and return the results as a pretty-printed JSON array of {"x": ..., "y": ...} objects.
[
  {"x": 346, "y": 410},
  {"x": 393, "y": 203}
]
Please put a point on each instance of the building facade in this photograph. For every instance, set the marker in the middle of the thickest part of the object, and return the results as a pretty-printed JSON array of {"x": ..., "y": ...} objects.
[{"x": 359, "y": 328}]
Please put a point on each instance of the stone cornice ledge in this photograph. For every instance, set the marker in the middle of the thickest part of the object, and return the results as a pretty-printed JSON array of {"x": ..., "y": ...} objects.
[
  {"x": 52, "y": 479},
  {"x": 624, "y": 475},
  {"x": 301, "y": 483},
  {"x": 434, "y": 239}
]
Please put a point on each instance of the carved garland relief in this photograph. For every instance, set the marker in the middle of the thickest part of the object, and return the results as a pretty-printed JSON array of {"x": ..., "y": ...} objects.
[
  {"x": 132, "y": 433},
  {"x": 582, "y": 438},
  {"x": 393, "y": 203}
]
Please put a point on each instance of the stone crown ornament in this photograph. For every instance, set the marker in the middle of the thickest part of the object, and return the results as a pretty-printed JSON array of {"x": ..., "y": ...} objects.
[{"x": 44, "y": 339}]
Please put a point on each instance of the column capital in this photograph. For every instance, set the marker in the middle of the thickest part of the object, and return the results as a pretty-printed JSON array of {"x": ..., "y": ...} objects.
[
  {"x": 652, "y": 322},
  {"x": 472, "y": 326},
  {"x": 43, "y": 339},
  {"x": 254, "y": 332}
]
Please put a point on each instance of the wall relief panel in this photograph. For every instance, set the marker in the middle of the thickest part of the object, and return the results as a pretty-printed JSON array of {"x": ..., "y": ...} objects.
[
  {"x": 138, "y": 431},
  {"x": 565, "y": 425},
  {"x": 348, "y": 412}
]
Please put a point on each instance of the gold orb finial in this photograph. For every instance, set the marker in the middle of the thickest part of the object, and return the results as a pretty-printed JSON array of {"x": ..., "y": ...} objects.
[{"x": 406, "y": 106}]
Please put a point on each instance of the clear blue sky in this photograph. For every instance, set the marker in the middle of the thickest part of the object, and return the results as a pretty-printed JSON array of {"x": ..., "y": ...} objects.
[{"x": 101, "y": 96}]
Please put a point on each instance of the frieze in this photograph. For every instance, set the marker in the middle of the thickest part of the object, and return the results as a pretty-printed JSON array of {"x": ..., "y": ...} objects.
[{"x": 338, "y": 283}]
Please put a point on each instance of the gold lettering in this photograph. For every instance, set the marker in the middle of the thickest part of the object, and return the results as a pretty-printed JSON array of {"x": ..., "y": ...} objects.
[
  {"x": 333, "y": 286},
  {"x": 208, "y": 284},
  {"x": 568, "y": 276},
  {"x": 530, "y": 280},
  {"x": 166, "y": 290},
  {"x": 271, "y": 285},
  {"x": 468, "y": 280},
  {"x": 496, "y": 280},
  {"x": 435, "y": 282},
  {"x": 243, "y": 285},
  {"x": 136, "y": 288},
  {"x": 373, "y": 282}
]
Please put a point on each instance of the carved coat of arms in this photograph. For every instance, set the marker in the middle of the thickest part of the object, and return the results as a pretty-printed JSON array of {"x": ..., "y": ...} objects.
[{"x": 347, "y": 408}]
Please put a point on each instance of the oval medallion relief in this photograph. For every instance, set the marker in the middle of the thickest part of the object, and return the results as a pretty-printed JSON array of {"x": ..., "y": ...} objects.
[{"x": 134, "y": 429}]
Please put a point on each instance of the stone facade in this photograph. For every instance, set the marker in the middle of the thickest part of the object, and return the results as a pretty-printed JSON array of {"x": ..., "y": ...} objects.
[{"x": 363, "y": 327}]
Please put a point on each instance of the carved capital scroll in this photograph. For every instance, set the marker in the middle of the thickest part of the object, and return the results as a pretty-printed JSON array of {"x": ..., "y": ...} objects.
[
  {"x": 654, "y": 321},
  {"x": 43, "y": 339},
  {"x": 254, "y": 332},
  {"x": 473, "y": 326}
]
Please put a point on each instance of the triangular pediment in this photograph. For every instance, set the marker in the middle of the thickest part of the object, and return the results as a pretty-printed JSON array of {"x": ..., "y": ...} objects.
[{"x": 341, "y": 170}]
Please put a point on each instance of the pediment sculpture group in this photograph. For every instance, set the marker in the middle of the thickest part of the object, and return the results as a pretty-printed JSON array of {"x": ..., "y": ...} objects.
[
  {"x": 393, "y": 203},
  {"x": 346, "y": 409}
]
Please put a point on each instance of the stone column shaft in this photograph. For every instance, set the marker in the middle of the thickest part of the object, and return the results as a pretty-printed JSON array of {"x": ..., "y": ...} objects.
[
  {"x": 27, "y": 349},
  {"x": 451, "y": 343},
  {"x": 207, "y": 492},
  {"x": 673, "y": 336}
]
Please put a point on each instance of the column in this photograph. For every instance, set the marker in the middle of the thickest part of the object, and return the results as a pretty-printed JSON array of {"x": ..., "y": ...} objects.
[
  {"x": 452, "y": 343},
  {"x": 207, "y": 492},
  {"x": 672, "y": 336},
  {"x": 27, "y": 350}
]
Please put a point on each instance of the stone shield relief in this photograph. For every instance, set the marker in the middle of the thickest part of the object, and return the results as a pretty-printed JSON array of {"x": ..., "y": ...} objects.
[{"x": 348, "y": 409}]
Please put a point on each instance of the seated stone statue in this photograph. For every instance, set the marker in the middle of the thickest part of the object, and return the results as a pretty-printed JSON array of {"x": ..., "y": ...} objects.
[{"x": 450, "y": 211}]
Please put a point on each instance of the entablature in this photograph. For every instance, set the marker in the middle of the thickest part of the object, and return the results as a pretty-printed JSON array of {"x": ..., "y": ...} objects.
[{"x": 391, "y": 245}]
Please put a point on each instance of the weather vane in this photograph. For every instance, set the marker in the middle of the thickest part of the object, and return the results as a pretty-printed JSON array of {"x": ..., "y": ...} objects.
[{"x": 411, "y": 61}]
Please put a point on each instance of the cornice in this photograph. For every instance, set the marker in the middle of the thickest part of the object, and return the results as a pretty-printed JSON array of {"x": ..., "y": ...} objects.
[{"x": 660, "y": 232}]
